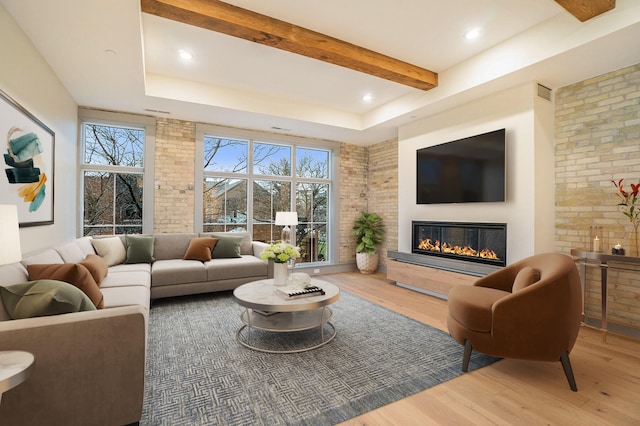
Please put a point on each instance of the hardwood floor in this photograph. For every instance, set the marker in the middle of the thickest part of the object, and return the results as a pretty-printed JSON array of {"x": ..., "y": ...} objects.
[{"x": 509, "y": 392}]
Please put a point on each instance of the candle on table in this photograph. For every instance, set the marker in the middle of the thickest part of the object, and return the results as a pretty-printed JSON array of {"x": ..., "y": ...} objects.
[{"x": 596, "y": 244}]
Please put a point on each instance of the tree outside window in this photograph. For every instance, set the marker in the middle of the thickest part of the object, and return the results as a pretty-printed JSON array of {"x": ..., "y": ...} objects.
[
  {"x": 274, "y": 186},
  {"x": 113, "y": 176}
]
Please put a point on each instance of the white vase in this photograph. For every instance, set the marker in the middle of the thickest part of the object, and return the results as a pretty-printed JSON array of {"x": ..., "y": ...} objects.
[{"x": 280, "y": 273}]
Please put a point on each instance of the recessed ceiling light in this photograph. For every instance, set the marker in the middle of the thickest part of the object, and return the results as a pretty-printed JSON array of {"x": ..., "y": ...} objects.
[
  {"x": 472, "y": 34},
  {"x": 368, "y": 97},
  {"x": 110, "y": 52},
  {"x": 184, "y": 55}
]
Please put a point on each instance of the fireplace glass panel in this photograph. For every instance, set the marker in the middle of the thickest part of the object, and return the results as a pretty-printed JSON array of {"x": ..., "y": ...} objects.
[{"x": 475, "y": 242}]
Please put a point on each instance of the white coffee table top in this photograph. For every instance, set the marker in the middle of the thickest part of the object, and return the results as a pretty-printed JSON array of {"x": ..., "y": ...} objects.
[{"x": 263, "y": 295}]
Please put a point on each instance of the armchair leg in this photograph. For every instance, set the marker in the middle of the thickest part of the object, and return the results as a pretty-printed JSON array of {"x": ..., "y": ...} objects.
[
  {"x": 467, "y": 355},
  {"x": 568, "y": 371}
]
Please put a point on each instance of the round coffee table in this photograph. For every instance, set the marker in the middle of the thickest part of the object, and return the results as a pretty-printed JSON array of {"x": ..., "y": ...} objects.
[{"x": 267, "y": 310}]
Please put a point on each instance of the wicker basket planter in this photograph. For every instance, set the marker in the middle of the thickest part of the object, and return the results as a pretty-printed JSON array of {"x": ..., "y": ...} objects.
[{"x": 367, "y": 263}]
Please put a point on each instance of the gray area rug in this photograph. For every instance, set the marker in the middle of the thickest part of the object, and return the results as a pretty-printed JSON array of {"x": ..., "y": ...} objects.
[{"x": 198, "y": 374}]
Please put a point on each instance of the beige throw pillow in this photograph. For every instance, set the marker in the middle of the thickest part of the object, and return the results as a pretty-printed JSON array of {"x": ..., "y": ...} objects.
[{"x": 110, "y": 249}]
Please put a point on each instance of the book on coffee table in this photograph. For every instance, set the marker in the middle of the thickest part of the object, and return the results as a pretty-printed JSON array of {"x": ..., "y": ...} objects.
[{"x": 297, "y": 292}]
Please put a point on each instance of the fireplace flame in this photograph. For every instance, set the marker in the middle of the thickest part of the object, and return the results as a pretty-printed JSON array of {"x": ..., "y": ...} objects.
[{"x": 445, "y": 247}]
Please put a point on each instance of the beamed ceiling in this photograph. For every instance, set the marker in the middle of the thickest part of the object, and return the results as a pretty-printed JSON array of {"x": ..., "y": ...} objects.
[{"x": 303, "y": 67}]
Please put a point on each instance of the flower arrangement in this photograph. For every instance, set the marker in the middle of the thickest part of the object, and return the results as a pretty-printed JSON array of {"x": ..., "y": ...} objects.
[
  {"x": 280, "y": 252},
  {"x": 630, "y": 208}
]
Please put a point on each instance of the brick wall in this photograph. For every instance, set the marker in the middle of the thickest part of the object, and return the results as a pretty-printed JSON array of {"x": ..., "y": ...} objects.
[
  {"x": 382, "y": 190},
  {"x": 353, "y": 196},
  {"x": 597, "y": 127},
  {"x": 174, "y": 173}
]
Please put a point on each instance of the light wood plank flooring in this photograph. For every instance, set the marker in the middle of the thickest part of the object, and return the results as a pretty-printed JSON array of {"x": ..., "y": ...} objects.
[{"x": 509, "y": 392}]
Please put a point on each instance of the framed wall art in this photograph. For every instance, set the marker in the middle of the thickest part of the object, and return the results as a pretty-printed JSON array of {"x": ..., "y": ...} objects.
[{"x": 28, "y": 158}]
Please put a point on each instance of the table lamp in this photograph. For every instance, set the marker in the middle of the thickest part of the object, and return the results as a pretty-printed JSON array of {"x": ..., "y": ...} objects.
[
  {"x": 286, "y": 219},
  {"x": 10, "y": 251}
]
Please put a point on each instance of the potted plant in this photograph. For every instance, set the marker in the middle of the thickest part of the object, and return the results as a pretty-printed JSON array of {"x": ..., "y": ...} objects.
[{"x": 369, "y": 231}]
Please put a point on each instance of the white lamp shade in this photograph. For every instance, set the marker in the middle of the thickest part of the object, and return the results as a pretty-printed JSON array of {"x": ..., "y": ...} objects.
[
  {"x": 10, "y": 251},
  {"x": 286, "y": 218}
]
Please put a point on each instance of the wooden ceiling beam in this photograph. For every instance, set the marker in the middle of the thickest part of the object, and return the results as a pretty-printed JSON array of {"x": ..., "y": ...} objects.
[
  {"x": 222, "y": 17},
  {"x": 587, "y": 9}
]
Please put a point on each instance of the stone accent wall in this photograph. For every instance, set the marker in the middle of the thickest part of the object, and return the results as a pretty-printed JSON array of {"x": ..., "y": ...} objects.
[
  {"x": 352, "y": 185},
  {"x": 174, "y": 174},
  {"x": 382, "y": 190},
  {"x": 597, "y": 135}
]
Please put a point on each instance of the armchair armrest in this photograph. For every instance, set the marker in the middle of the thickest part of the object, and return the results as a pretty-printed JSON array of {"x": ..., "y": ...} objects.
[{"x": 89, "y": 368}]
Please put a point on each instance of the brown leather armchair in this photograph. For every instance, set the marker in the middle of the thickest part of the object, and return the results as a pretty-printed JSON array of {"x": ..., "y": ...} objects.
[{"x": 529, "y": 310}]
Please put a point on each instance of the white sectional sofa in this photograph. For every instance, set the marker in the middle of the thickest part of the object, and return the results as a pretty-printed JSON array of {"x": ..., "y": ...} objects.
[{"x": 90, "y": 365}]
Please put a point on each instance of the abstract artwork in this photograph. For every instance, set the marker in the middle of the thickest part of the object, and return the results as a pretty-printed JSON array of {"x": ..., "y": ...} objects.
[{"x": 28, "y": 161}]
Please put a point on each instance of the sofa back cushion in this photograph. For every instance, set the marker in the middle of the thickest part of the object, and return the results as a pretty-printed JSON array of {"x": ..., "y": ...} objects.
[
  {"x": 245, "y": 245},
  {"x": 45, "y": 256},
  {"x": 70, "y": 252},
  {"x": 171, "y": 246}
]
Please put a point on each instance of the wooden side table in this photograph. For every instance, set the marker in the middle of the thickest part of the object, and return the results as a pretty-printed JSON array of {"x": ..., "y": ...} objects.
[{"x": 15, "y": 368}]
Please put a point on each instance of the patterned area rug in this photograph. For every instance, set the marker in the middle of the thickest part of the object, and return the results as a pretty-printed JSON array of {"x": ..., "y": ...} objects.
[{"x": 198, "y": 374}]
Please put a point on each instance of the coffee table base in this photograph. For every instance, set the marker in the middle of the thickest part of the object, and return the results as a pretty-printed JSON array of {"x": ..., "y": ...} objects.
[{"x": 282, "y": 323}]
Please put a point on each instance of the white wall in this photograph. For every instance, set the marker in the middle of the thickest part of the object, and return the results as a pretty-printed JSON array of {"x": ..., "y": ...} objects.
[
  {"x": 28, "y": 79},
  {"x": 528, "y": 209}
]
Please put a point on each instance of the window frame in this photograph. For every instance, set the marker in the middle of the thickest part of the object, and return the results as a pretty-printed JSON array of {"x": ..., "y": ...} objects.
[
  {"x": 115, "y": 119},
  {"x": 333, "y": 149}
]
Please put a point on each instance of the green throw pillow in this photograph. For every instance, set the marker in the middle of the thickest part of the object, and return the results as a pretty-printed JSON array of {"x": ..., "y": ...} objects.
[
  {"x": 226, "y": 247},
  {"x": 139, "y": 249},
  {"x": 43, "y": 297}
]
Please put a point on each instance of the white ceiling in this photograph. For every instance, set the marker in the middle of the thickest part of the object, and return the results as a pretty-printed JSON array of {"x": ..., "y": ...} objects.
[{"x": 239, "y": 83}]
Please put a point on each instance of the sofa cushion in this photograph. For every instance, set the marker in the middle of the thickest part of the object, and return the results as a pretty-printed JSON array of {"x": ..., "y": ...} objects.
[
  {"x": 245, "y": 245},
  {"x": 72, "y": 273},
  {"x": 42, "y": 298},
  {"x": 84, "y": 243},
  {"x": 110, "y": 249},
  {"x": 96, "y": 266},
  {"x": 45, "y": 256},
  {"x": 139, "y": 248},
  {"x": 177, "y": 271},
  {"x": 226, "y": 247},
  {"x": 127, "y": 279},
  {"x": 127, "y": 296},
  {"x": 70, "y": 252},
  {"x": 172, "y": 246},
  {"x": 200, "y": 249},
  {"x": 525, "y": 277},
  {"x": 243, "y": 267}
]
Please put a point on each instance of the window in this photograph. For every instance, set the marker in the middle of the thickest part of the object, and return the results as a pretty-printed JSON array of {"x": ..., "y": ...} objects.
[
  {"x": 113, "y": 168},
  {"x": 246, "y": 180}
]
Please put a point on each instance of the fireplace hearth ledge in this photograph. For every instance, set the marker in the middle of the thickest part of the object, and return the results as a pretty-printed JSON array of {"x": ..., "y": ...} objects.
[{"x": 451, "y": 265}]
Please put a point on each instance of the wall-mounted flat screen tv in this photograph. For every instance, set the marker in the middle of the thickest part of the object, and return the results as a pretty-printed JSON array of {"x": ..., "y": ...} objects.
[{"x": 469, "y": 170}]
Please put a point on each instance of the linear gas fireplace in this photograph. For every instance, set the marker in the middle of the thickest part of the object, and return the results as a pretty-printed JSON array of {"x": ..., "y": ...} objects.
[{"x": 474, "y": 242}]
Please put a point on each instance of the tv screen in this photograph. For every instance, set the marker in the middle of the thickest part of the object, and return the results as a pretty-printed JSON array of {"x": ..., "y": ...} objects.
[{"x": 468, "y": 170}]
